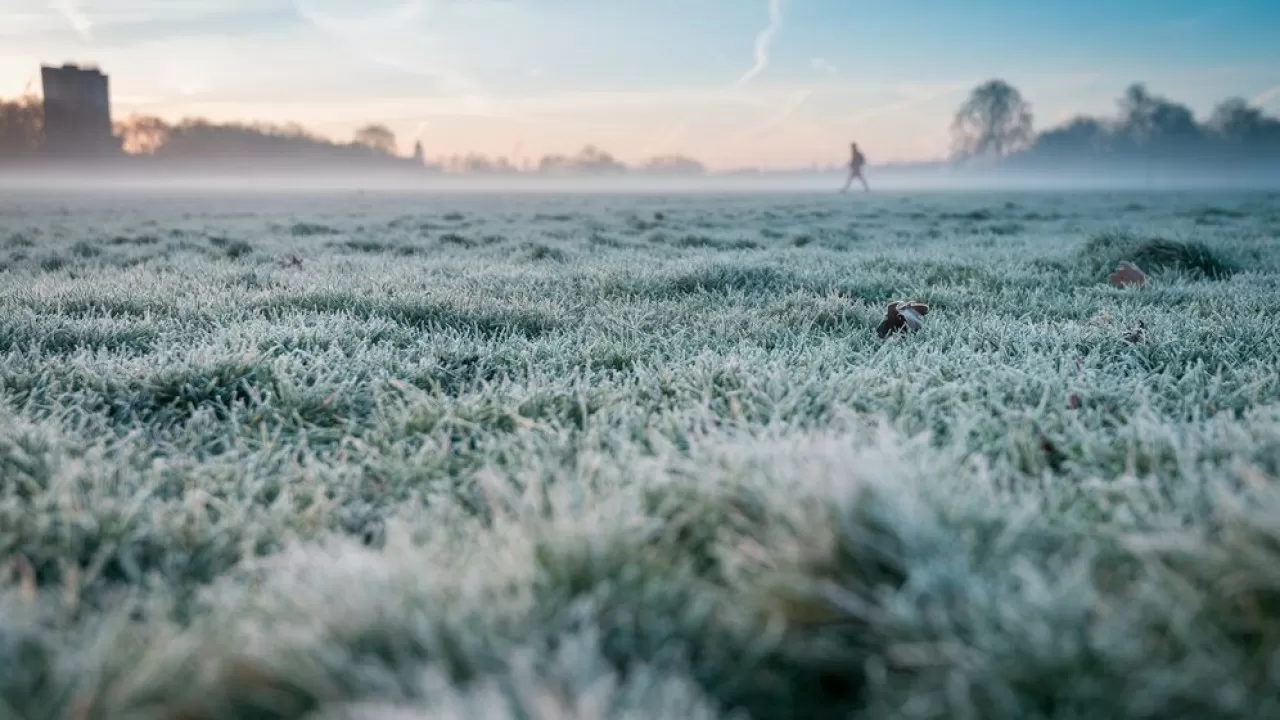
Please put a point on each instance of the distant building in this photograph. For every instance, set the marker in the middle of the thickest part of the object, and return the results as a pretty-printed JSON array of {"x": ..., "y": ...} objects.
[
  {"x": 77, "y": 112},
  {"x": 418, "y": 155}
]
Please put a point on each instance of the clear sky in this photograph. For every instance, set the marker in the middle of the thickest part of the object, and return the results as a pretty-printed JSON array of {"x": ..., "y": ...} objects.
[{"x": 732, "y": 82}]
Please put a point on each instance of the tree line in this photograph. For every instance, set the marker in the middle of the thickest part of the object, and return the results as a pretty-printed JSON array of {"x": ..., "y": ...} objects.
[
  {"x": 205, "y": 143},
  {"x": 995, "y": 126}
]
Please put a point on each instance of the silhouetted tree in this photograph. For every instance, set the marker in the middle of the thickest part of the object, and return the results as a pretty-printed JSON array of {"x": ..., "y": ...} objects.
[
  {"x": 1147, "y": 120},
  {"x": 21, "y": 127},
  {"x": 673, "y": 165},
  {"x": 994, "y": 122},
  {"x": 1237, "y": 121},
  {"x": 1161, "y": 137},
  {"x": 1069, "y": 140},
  {"x": 142, "y": 135},
  {"x": 477, "y": 164},
  {"x": 378, "y": 138},
  {"x": 589, "y": 161}
]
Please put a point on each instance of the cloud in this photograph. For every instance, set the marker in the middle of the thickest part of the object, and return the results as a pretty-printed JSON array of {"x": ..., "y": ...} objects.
[
  {"x": 823, "y": 66},
  {"x": 93, "y": 19},
  {"x": 420, "y": 130},
  {"x": 764, "y": 42},
  {"x": 664, "y": 138},
  {"x": 391, "y": 37},
  {"x": 1267, "y": 97},
  {"x": 917, "y": 94},
  {"x": 778, "y": 119},
  {"x": 71, "y": 12}
]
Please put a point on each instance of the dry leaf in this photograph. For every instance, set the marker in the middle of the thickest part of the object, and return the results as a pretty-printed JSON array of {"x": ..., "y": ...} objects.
[
  {"x": 1128, "y": 275},
  {"x": 903, "y": 315}
]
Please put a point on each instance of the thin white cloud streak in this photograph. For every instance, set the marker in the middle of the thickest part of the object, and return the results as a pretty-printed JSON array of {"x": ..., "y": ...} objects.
[
  {"x": 382, "y": 37},
  {"x": 554, "y": 105},
  {"x": 1267, "y": 97},
  {"x": 69, "y": 11},
  {"x": 779, "y": 119},
  {"x": 663, "y": 139},
  {"x": 88, "y": 19},
  {"x": 824, "y": 67},
  {"x": 918, "y": 95},
  {"x": 764, "y": 42}
]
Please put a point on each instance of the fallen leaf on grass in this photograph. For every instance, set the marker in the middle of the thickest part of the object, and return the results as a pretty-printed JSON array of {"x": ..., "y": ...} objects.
[
  {"x": 1128, "y": 275},
  {"x": 903, "y": 315}
]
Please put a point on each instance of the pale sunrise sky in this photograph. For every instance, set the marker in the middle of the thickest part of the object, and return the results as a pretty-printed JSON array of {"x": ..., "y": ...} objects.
[{"x": 735, "y": 83}]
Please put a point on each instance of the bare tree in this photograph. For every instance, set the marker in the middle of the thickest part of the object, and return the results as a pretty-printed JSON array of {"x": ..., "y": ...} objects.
[
  {"x": 673, "y": 165},
  {"x": 143, "y": 135},
  {"x": 993, "y": 123},
  {"x": 378, "y": 138},
  {"x": 21, "y": 127}
]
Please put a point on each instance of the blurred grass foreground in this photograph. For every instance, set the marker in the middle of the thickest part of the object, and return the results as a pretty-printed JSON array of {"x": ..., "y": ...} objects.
[{"x": 552, "y": 457}]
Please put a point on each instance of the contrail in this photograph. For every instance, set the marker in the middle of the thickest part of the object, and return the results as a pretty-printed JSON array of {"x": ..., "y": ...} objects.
[
  {"x": 780, "y": 118},
  {"x": 75, "y": 17},
  {"x": 764, "y": 41},
  {"x": 383, "y": 35},
  {"x": 823, "y": 66},
  {"x": 1265, "y": 97}
]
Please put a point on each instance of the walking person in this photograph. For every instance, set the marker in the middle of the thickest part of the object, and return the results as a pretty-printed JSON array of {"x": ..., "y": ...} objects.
[{"x": 856, "y": 162}]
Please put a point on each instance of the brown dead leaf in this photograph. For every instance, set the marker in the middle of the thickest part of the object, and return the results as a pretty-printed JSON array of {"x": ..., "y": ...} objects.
[
  {"x": 1128, "y": 275},
  {"x": 902, "y": 315}
]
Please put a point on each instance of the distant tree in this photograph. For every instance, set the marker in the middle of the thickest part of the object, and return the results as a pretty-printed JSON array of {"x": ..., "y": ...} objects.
[
  {"x": 589, "y": 161},
  {"x": 1077, "y": 137},
  {"x": 1236, "y": 120},
  {"x": 378, "y": 138},
  {"x": 143, "y": 135},
  {"x": 993, "y": 123},
  {"x": 594, "y": 161},
  {"x": 477, "y": 164},
  {"x": 1147, "y": 119},
  {"x": 673, "y": 165},
  {"x": 21, "y": 127}
]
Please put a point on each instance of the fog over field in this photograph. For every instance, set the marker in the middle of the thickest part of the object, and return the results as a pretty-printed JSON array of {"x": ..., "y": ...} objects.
[{"x": 373, "y": 453}]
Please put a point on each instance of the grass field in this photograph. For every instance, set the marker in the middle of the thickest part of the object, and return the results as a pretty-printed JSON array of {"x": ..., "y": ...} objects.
[{"x": 607, "y": 457}]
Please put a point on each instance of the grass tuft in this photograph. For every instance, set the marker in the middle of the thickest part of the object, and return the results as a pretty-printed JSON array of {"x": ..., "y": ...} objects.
[{"x": 1104, "y": 251}]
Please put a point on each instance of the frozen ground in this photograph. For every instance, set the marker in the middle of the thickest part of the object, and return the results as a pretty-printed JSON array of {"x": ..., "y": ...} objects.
[{"x": 607, "y": 457}]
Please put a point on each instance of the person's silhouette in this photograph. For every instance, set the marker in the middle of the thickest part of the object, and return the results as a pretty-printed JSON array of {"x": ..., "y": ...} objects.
[{"x": 856, "y": 162}]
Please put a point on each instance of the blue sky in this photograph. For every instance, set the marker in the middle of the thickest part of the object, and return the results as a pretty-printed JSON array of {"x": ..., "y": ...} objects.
[{"x": 733, "y": 82}]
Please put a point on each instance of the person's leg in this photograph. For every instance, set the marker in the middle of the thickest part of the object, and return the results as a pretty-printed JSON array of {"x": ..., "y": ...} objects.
[
  {"x": 865, "y": 186},
  {"x": 847, "y": 183}
]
